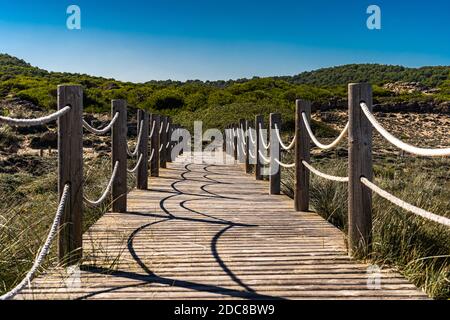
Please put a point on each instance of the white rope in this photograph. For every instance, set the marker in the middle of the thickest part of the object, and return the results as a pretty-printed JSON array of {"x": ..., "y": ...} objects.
[
  {"x": 285, "y": 147},
  {"x": 251, "y": 136},
  {"x": 34, "y": 122},
  {"x": 284, "y": 165},
  {"x": 151, "y": 155},
  {"x": 400, "y": 144},
  {"x": 317, "y": 142},
  {"x": 167, "y": 145},
  {"x": 138, "y": 142},
  {"x": 153, "y": 129},
  {"x": 137, "y": 164},
  {"x": 324, "y": 175},
  {"x": 161, "y": 147},
  {"x": 266, "y": 160},
  {"x": 93, "y": 130},
  {"x": 407, "y": 206},
  {"x": 167, "y": 127},
  {"x": 107, "y": 190},
  {"x": 265, "y": 146},
  {"x": 243, "y": 136},
  {"x": 45, "y": 249},
  {"x": 251, "y": 154},
  {"x": 161, "y": 127},
  {"x": 243, "y": 148}
]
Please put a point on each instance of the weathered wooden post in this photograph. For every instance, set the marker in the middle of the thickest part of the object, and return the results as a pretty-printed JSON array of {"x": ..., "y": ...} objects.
[
  {"x": 119, "y": 154},
  {"x": 360, "y": 165},
  {"x": 163, "y": 142},
  {"x": 142, "y": 171},
  {"x": 235, "y": 141},
  {"x": 70, "y": 171},
  {"x": 302, "y": 153},
  {"x": 154, "y": 163},
  {"x": 248, "y": 168},
  {"x": 224, "y": 146},
  {"x": 258, "y": 165},
  {"x": 275, "y": 170},
  {"x": 241, "y": 140},
  {"x": 169, "y": 142}
]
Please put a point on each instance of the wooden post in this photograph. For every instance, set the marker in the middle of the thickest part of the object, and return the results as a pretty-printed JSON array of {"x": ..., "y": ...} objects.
[
  {"x": 163, "y": 142},
  {"x": 142, "y": 171},
  {"x": 154, "y": 164},
  {"x": 224, "y": 147},
  {"x": 360, "y": 165},
  {"x": 169, "y": 140},
  {"x": 275, "y": 153},
  {"x": 235, "y": 141},
  {"x": 70, "y": 171},
  {"x": 119, "y": 153},
  {"x": 241, "y": 140},
  {"x": 248, "y": 168},
  {"x": 258, "y": 165},
  {"x": 302, "y": 153}
]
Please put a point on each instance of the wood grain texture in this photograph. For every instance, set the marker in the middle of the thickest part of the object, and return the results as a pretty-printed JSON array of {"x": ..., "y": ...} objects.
[
  {"x": 70, "y": 171},
  {"x": 155, "y": 142},
  {"x": 360, "y": 165},
  {"x": 275, "y": 153},
  {"x": 302, "y": 152},
  {"x": 206, "y": 231},
  {"x": 119, "y": 153},
  {"x": 142, "y": 171}
]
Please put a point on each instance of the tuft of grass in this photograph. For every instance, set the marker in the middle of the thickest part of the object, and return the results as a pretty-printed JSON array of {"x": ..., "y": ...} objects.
[{"x": 28, "y": 210}]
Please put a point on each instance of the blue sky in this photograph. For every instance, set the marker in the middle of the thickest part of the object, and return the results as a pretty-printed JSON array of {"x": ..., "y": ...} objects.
[{"x": 208, "y": 39}]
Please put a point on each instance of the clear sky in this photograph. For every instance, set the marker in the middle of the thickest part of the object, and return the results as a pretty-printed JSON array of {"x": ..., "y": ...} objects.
[{"x": 209, "y": 39}]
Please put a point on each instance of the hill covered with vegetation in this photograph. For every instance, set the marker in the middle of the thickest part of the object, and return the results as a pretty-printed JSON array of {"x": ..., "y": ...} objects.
[{"x": 201, "y": 99}]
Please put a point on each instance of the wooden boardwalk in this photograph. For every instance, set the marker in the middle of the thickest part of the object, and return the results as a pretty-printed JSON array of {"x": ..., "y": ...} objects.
[{"x": 211, "y": 232}]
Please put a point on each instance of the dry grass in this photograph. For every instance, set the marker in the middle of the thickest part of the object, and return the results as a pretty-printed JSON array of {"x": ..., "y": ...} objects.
[{"x": 28, "y": 210}]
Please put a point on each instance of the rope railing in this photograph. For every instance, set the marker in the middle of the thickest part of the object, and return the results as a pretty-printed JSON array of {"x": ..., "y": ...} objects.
[
  {"x": 70, "y": 159},
  {"x": 107, "y": 190},
  {"x": 138, "y": 142},
  {"x": 45, "y": 248},
  {"x": 284, "y": 165},
  {"x": 138, "y": 163},
  {"x": 400, "y": 144},
  {"x": 284, "y": 146},
  {"x": 407, "y": 206},
  {"x": 153, "y": 129},
  {"x": 243, "y": 136},
  {"x": 317, "y": 142},
  {"x": 266, "y": 160},
  {"x": 151, "y": 155},
  {"x": 34, "y": 122},
  {"x": 106, "y": 129},
  {"x": 324, "y": 175},
  {"x": 265, "y": 146},
  {"x": 251, "y": 136}
]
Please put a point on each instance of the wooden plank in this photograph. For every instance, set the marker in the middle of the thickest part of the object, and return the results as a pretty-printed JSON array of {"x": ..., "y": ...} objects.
[{"x": 211, "y": 232}]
